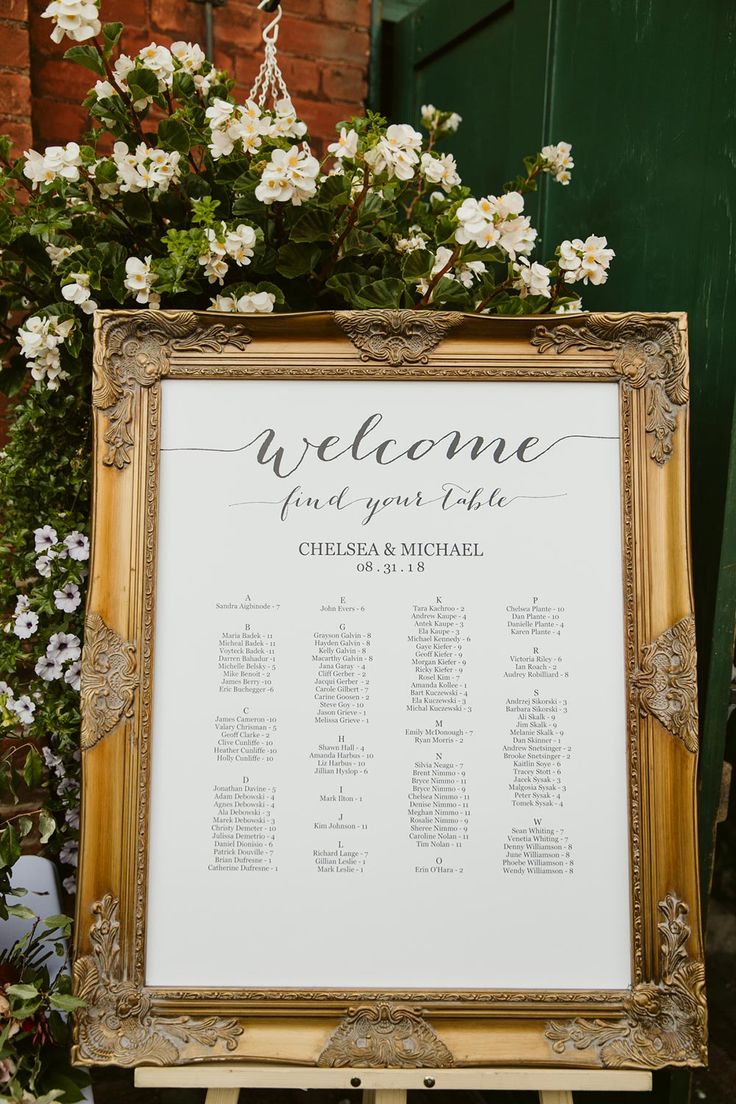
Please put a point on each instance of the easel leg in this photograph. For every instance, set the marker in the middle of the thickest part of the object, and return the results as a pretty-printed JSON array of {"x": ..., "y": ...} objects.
[
  {"x": 222, "y": 1096},
  {"x": 382, "y": 1096},
  {"x": 553, "y": 1096}
]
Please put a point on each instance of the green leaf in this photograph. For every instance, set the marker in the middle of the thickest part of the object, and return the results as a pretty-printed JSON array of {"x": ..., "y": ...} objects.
[
  {"x": 348, "y": 285},
  {"x": 450, "y": 292},
  {"x": 33, "y": 769},
  {"x": 334, "y": 190},
  {"x": 111, "y": 33},
  {"x": 417, "y": 265},
  {"x": 173, "y": 135},
  {"x": 22, "y": 992},
  {"x": 65, "y": 1002},
  {"x": 359, "y": 242},
  {"x": 46, "y": 825},
  {"x": 297, "y": 260},
  {"x": 22, "y": 912},
  {"x": 381, "y": 293},
  {"x": 86, "y": 56},
  {"x": 59, "y": 921},
  {"x": 142, "y": 82},
  {"x": 137, "y": 207},
  {"x": 313, "y": 224},
  {"x": 25, "y": 824}
]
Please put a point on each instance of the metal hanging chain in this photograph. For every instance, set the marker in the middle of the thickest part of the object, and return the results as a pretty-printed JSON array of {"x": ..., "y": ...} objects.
[{"x": 270, "y": 80}]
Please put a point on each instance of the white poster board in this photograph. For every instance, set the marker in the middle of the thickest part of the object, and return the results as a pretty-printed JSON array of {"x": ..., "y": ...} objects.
[{"x": 389, "y": 729}]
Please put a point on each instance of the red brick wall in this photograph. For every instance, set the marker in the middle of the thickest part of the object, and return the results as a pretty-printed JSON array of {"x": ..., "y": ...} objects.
[
  {"x": 15, "y": 73},
  {"x": 323, "y": 51}
]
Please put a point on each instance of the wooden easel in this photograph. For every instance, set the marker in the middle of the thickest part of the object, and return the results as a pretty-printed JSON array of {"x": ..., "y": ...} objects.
[{"x": 390, "y": 1086}]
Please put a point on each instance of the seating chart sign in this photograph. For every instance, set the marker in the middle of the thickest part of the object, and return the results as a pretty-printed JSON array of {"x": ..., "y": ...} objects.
[{"x": 389, "y": 643}]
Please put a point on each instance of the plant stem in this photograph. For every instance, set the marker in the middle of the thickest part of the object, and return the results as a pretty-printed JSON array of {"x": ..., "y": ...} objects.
[
  {"x": 496, "y": 291},
  {"x": 436, "y": 279},
  {"x": 124, "y": 96},
  {"x": 350, "y": 223}
]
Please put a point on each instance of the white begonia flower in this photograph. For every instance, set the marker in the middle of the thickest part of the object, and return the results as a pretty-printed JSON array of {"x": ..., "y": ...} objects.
[
  {"x": 36, "y": 170},
  {"x": 67, "y": 598},
  {"x": 23, "y": 708},
  {"x": 290, "y": 176},
  {"x": 22, "y": 603},
  {"x": 568, "y": 308},
  {"x": 465, "y": 274},
  {"x": 159, "y": 60},
  {"x": 397, "y": 152},
  {"x": 284, "y": 122},
  {"x": 39, "y": 340},
  {"x": 59, "y": 253},
  {"x": 431, "y": 119},
  {"x": 44, "y": 538},
  {"x": 557, "y": 160},
  {"x": 496, "y": 220},
  {"x": 25, "y": 624},
  {"x": 240, "y": 244},
  {"x": 252, "y": 302},
  {"x": 103, "y": 90},
  {"x": 412, "y": 243},
  {"x": 56, "y": 162},
  {"x": 219, "y": 113},
  {"x": 43, "y": 566},
  {"x": 531, "y": 279},
  {"x": 440, "y": 170},
  {"x": 139, "y": 279},
  {"x": 346, "y": 145},
  {"x": 73, "y": 676},
  {"x": 63, "y": 647},
  {"x": 146, "y": 168},
  {"x": 190, "y": 57},
  {"x": 587, "y": 260},
  {"x": 517, "y": 236},
  {"x": 47, "y": 669},
  {"x": 79, "y": 293},
  {"x": 75, "y": 19},
  {"x": 77, "y": 545}
]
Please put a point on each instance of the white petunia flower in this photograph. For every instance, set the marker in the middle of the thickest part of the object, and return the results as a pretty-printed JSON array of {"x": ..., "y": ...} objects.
[
  {"x": 5, "y": 689},
  {"x": 67, "y": 598},
  {"x": 78, "y": 292},
  {"x": 22, "y": 603},
  {"x": 72, "y": 675},
  {"x": 557, "y": 160},
  {"x": 531, "y": 279},
  {"x": 78, "y": 545},
  {"x": 75, "y": 19},
  {"x": 70, "y": 885},
  {"x": 69, "y": 853},
  {"x": 23, "y": 708},
  {"x": 43, "y": 566},
  {"x": 25, "y": 624},
  {"x": 45, "y": 537},
  {"x": 71, "y": 816},
  {"x": 63, "y": 647},
  {"x": 48, "y": 669},
  {"x": 346, "y": 145}
]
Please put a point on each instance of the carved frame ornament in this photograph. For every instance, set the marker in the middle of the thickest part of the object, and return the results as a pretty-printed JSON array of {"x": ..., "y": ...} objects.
[
  {"x": 649, "y": 354},
  {"x": 664, "y": 1022},
  {"x": 661, "y": 1019}
]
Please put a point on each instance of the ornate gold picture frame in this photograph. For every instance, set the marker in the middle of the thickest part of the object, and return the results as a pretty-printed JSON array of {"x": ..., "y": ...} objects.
[{"x": 660, "y": 1019}]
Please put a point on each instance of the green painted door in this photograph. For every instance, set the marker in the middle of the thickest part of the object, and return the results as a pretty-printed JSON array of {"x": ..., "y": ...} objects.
[{"x": 645, "y": 90}]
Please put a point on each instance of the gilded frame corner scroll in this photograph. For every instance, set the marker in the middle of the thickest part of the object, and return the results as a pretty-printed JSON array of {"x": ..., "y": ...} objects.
[{"x": 660, "y": 1020}]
